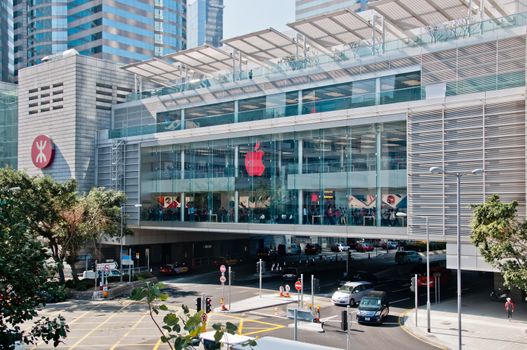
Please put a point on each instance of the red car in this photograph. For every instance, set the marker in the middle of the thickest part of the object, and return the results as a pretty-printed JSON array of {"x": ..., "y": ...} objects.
[
  {"x": 364, "y": 247},
  {"x": 444, "y": 274}
]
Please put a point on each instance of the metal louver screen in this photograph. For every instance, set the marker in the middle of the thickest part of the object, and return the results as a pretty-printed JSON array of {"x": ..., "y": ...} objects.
[{"x": 487, "y": 136}]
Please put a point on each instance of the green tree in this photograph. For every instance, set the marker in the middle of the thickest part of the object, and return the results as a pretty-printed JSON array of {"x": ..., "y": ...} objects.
[
  {"x": 502, "y": 239},
  {"x": 90, "y": 219},
  {"x": 180, "y": 330},
  {"x": 24, "y": 275}
]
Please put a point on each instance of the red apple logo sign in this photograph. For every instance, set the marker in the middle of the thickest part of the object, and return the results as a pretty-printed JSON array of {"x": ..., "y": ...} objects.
[
  {"x": 253, "y": 161},
  {"x": 42, "y": 151}
]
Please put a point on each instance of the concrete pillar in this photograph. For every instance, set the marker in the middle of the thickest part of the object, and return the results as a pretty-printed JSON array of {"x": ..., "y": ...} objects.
[{"x": 378, "y": 161}]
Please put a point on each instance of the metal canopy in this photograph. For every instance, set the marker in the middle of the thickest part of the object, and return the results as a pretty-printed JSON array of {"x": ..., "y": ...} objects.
[
  {"x": 156, "y": 70},
  {"x": 410, "y": 14},
  {"x": 337, "y": 28},
  {"x": 205, "y": 59},
  {"x": 265, "y": 45}
]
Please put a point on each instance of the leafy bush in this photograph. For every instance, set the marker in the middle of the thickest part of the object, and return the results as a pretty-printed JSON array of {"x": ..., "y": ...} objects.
[
  {"x": 143, "y": 275},
  {"x": 80, "y": 285},
  {"x": 54, "y": 293}
]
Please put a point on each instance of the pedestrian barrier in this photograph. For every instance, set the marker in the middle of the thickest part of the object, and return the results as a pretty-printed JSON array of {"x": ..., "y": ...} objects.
[{"x": 302, "y": 314}]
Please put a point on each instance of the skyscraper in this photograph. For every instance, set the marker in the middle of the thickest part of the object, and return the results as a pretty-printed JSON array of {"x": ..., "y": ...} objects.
[
  {"x": 118, "y": 30},
  {"x": 204, "y": 22},
  {"x": 308, "y": 8},
  {"x": 6, "y": 41}
]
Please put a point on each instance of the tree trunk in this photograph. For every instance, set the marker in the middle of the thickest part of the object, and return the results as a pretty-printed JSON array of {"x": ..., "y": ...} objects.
[
  {"x": 71, "y": 261},
  {"x": 58, "y": 261}
]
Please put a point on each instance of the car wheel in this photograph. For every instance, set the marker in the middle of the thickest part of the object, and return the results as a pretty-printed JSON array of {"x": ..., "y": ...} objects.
[{"x": 352, "y": 302}]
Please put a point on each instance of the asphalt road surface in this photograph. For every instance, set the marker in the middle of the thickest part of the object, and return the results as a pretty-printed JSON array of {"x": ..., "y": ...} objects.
[{"x": 122, "y": 324}]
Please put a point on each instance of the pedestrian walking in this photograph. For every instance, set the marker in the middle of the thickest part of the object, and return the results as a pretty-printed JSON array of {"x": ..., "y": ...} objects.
[{"x": 509, "y": 307}]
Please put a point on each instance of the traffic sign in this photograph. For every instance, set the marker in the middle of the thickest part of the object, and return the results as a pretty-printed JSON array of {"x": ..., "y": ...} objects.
[
  {"x": 298, "y": 285},
  {"x": 223, "y": 279},
  {"x": 110, "y": 266},
  {"x": 223, "y": 269}
]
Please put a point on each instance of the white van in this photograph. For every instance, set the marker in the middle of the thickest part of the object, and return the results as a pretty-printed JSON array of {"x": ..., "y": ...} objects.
[{"x": 351, "y": 293}]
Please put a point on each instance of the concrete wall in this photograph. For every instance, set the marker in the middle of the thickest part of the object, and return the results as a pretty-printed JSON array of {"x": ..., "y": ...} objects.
[{"x": 68, "y": 99}]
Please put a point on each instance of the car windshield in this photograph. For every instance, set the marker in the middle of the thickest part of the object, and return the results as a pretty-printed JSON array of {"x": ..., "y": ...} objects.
[
  {"x": 346, "y": 289},
  {"x": 370, "y": 304}
]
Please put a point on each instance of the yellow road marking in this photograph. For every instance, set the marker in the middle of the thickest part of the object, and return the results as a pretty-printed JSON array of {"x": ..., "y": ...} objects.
[
  {"x": 99, "y": 326},
  {"x": 157, "y": 345},
  {"x": 131, "y": 329},
  {"x": 240, "y": 327},
  {"x": 264, "y": 330},
  {"x": 70, "y": 323}
]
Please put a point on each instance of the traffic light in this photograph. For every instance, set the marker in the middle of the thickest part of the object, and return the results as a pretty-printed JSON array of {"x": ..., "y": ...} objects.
[
  {"x": 208, "y": 305},
  {"x": 413, "y": 284},
  {"x": 198, "y": 304},
  {"x": 344, "y": 320}
]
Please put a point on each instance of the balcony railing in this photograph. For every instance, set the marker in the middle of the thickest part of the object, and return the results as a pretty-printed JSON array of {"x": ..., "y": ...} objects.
[{"x": 452, "y": 31}]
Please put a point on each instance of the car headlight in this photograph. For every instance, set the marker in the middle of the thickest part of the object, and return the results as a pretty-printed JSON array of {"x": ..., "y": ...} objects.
[
  {"x": 359, "y": 313},
  {"x": 378, "y": 313}
]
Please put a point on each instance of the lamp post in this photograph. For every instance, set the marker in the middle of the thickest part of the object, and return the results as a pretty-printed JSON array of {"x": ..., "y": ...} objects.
[
  {"x": 428, "y": 307},
  {"x": 138, "y": 205},
  {"x": 458, "y": 175}
]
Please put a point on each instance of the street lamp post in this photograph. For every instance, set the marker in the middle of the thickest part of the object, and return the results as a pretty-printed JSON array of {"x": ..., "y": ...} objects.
[
  {"x": 428, "y": 306},
  {"x": 458, "y": 175},
  {"x": 138, "y": 205}
]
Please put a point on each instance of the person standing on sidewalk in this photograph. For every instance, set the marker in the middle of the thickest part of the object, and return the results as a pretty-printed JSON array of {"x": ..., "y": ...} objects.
[{"x": 509, "y": 307}]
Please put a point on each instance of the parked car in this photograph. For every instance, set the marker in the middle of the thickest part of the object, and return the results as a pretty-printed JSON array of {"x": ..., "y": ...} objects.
[
  {"x": 445, "y": 274},
  {"x": 290, "y": 274},
  {"x": 355, "y": 276},
  {"x": 294, "y": 249},
  {"x": 408, "y": 256},
  {"x": 167, "y": 269},
  {"x": 340, "y": 247},
  {"x": 389, "y": 244},
  {"x": 374, "y": 307},
  {"x": 500, "y": 294},
  {"x": 364, "y": 247},
  {"x": 351, "y": 293},
  {"x": 312, "y": 249}
]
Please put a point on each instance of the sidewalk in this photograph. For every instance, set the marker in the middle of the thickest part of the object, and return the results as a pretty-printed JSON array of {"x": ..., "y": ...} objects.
[
  {"x": 484, "y": 324},
  {"x": 255, "y": 303}
]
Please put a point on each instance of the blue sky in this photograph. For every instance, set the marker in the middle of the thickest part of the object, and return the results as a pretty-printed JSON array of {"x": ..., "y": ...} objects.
[{"x": 245, "y": 16}]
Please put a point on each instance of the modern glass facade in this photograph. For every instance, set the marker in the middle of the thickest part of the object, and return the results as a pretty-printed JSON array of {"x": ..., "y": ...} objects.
[
  {"x": 6, "y": 41},
  {"x": 122, "y": 31},
  {"x": 204, "y": 22},
  {"x": 352, "y": 175},
  {"x": 361, "y": 93},
  {"x": 8, "y": 125}
]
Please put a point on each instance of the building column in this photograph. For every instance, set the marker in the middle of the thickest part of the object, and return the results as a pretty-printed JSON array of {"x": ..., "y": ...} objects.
[
  {"x": 182, "y": 120},
  {"x": 299, "y": 110},
  {"x": 183, "y": 208},
  {"x": 236, "y": 205},
  {"x": 236, "y": 111},
  {"x": 378, "y": 161},
  {"x": 300, "y": 191}
]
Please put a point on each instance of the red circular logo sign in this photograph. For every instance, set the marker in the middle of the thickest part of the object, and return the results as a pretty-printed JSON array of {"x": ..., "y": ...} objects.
[
  {"x": 42, "y": 151},
  {"x": 298, "y": 285}
]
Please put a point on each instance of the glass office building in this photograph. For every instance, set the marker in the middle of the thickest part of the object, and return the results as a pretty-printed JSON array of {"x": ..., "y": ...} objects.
[
  {"x": 6, "y": 41},
  {"x": 8, "y": 125},
  {"x": 124, "y": 32},
  {"x": 204, "y": 22}
]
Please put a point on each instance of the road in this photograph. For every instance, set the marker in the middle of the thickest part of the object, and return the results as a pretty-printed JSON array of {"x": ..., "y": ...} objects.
[{"x": 121, "y": 324}]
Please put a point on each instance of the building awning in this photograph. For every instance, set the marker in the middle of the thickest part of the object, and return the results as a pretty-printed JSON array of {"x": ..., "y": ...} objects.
[
  {"x": 265, "y": 45},
  {"x": 156, "y": 70},
  {"x": 205, "y": 59},
  {"x": 410, "y": 14},
  {"x": 337, "y": 28}
]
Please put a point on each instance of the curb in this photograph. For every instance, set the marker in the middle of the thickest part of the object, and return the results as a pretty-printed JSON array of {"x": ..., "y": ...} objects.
[{"x": 402, "y": 321}]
